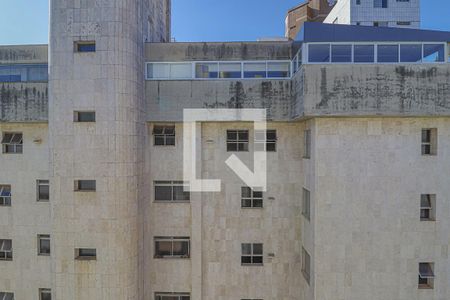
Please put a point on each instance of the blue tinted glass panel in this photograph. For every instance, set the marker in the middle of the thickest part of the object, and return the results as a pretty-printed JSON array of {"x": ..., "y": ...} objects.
[
  {"x": 411, "y": 53},
  {"x": 388, "y": 53},
  {"x": 364, "y": 54},
  {"x": 319, "y": 53},
  {"x": 86, "y": 47},
  {"x": 255, "y": 70},
  {"x": 433, "y": 53},
  {"x": 341, "y": 53}
]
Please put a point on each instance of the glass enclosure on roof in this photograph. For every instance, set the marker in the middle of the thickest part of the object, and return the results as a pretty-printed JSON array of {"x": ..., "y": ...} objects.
[{"x": 375, "y": 52}]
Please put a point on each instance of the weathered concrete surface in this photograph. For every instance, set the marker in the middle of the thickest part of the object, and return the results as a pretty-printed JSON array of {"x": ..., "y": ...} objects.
[
  {"x": 23, "y": 102},
  {"x": 166, "y": 99},
  {"x": 219, "y": 51},
  {"x": 388, "y": 90},
  {"x": 23, "y": 54}
]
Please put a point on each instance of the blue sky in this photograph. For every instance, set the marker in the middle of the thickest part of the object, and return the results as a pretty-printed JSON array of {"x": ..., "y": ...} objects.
[{"x": 26, "y": 21}]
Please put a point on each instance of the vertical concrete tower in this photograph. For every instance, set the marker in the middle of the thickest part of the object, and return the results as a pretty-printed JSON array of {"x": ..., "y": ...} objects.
[{"x": 97, "y": 65}]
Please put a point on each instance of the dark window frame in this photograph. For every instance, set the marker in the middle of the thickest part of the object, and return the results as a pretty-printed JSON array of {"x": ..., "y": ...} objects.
[
  {"x": 239, "y": 143},
  {"x": 173, "y": 240}
]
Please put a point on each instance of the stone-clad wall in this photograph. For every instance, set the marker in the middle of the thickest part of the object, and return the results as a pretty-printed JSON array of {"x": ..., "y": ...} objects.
[
  {"x": 23, "y": 102},
  {"x": 368, "y": 90},
  {"x": 369, "y": 238},
  {"x": 110, "y": 151},
  {"x": 167, "y": 99},
  {"x": 25, "y": 218}
]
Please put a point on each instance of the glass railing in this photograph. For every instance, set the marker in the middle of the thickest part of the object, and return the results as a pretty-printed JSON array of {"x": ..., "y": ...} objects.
[
  {"x": 388, "y": 52},
  {"x": 214, "y": 70}
]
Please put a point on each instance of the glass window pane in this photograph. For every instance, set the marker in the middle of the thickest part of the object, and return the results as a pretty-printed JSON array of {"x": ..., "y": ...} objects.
[
  {"x": 319, "y": 53},
  {"x": 341, "y": 53},
  {"x": 206, "y": 70},
  {"x": 246, "y": 192},
  {"x": 231, "y": 135},
  {"x": 246, "y": 203},
  {"x": 257, "y": 260},
  {"x": 257, "y": 203},
  {"x": 255, "y": 70},
  {"x": 163, "y": 193},
  {"x": 242, "y": 146},
  {"x": 163, "y": 248},
  {"x": 364, "y": 53},
  {"x": 388, "y": 53},
  {"x": 230, "y": 70},
  {"x": 44, "y": 247},
  {"x": 44, "y": 192},
  {"x": 179, "y": 194},
  {"x": 158, "y": 70},
  {"x": 246, "y": 259},
  {"x": 258, "y": 249},
  {"x": 181, "y": 248},
  {"x": 411, "y": 53},
  {"x": 86, "y": 185},
  {"x": 433, "y": 53},
  {"x": 278, "y": 69},
  {"x": 16, "y": 139},
  {"x": 246, "y": 249},
  {"x": 181, "y": 70},
  {"x": 232, "y": 146},
  {"x": 243, "y": 135}
]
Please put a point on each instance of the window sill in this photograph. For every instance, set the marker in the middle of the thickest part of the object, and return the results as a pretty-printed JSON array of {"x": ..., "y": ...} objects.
[
  {"x": 82, "y": 258},
  {"x": 427, "y": 220},
  {"x": 44, "y": 201},
  {"x": 252, "y": 265},
  {"x": 44, "y": 254},
  {"x": 171, "y": 202},
  {"x": 84, "y": 191},
  {"x": 425, "y": 287},
  {"x": 172, "y": 257},
  {"x": 252, "y": 207}
]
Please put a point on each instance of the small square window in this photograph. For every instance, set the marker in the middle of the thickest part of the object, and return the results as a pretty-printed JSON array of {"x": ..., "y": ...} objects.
[
  {"x": 172, "y": 247},
  {"x": 266, "y": 140},
  {"x": 85, "y": 254},
  {"x": 306, "y": 204},
  {"x": 85, "y": 185},
  {"x": 12, "y": 143},
  {"x": 164, "y": 135},
  {"x": 426, "y": 275},
  {"x": 237, "y": 140},
  {"x": 251, "y": 198},
  {"x": 43, "y": 244},
  {"x": 252, "y": 254},
  {"x": 84, "y": 116},
  {"x": 43, "y": 190},
  {"x": 306, "y": 265},
  {"x": 6, "y": 296},
  {"x": 6, "y": 251},
  {"x": 429, "y": 141},
  {"x": 427, "y": 207},
  {"x": 5, "y": 195},
  {"x": 45, "y": 294},
  {"x": 85, "y": 46}
]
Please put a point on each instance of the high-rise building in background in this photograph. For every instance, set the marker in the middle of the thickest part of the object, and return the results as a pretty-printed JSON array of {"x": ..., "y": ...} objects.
[
  {"x": 309, "y": 11},
  {"x": 379, "y": 13},
  {"x": 93, "y": 202}
]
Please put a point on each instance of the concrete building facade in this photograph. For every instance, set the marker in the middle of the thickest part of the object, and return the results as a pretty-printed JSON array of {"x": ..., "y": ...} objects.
[{"x": 93, "y": 202}]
